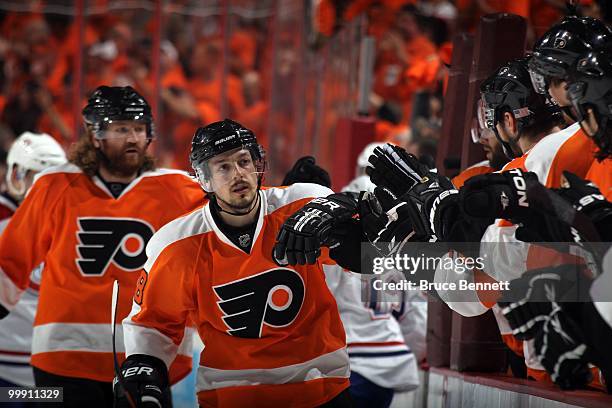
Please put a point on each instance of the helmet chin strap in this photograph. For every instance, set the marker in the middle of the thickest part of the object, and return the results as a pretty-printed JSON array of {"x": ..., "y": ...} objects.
[
  {"x": 506, "y": 146},
  {"x": 252, "y": 205}
]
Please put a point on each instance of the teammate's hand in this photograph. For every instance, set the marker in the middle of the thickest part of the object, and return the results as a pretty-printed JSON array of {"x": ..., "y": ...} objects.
[
  {"x": 305, "y": 170},
  {"x": 387, "y": 233},
  {"x": 587, "y": 199},
  {"x": 393, "y": 169},
  {"x": 429, "y": 202},
  {"x": 532, "y": 297},
  {"x": 561, "y": 349},
  {"x": 542, "y": 214},
  {"x": 301, "y": 237},
  {"x": 499, "y": 195},
  {"x": 146, "y": 381}
]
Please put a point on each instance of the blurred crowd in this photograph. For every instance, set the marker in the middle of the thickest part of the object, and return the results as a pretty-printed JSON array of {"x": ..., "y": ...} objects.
[
  {"x": 207, "y": 67},
  {"x": 413, "y": 54}
]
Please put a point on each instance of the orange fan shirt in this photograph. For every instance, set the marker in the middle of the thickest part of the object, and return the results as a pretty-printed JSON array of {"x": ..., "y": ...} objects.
[
  {"x": 87, "y": 239},
  {"x": 272, "y": 335}
]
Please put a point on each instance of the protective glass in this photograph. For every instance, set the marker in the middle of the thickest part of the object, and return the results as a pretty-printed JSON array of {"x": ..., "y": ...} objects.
[
  {"x": 485, "y": 115},
  {"x": 222, "y": 169}
]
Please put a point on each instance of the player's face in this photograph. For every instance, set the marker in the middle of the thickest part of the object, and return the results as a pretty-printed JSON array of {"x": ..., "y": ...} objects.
[
  {"x": 558, "y": 91},
  {"x": 493, "y": 150},
  {"x": 234, "y": 178},
  {"x": 124, "y": 146}
]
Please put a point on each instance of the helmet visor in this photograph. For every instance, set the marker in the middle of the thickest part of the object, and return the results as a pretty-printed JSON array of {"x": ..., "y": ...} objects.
[
  {"x": 539, "y": 82},
  {"x": 138, "y": 129}
]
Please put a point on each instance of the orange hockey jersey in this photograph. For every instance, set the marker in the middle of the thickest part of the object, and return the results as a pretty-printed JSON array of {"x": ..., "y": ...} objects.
[
  {"x": 482, "y": 167},
  {"x": 87, "y": 239},
  {"x": 272, "y": 335}
]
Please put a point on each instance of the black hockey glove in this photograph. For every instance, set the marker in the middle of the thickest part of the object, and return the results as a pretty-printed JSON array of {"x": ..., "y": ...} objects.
[
  {"x": 561, "y": 349},
  {"x": 146, "y": 381},
  {"x": 395, "y": 170},
  {"x": 499, "y": 195},
  {"x": 588, "y": 200},
  {"x": 542, "y": 214},
  {"x": 301, "y": 237},
  {"x": 532, "y": 297},
  {"x": 387, "y": 232},
  {"x": 305, "y": 170},
  {"x": 434, "y": 201}
]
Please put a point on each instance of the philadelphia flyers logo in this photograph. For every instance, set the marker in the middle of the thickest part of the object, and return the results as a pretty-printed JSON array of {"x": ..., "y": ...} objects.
[
  {"x": 121, "y": 241},
  {"x": 273, "y": 298}
]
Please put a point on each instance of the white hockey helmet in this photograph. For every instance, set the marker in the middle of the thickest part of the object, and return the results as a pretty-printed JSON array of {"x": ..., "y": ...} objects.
[
  {"x": 362, "y": 160},
  {"x": 32, "y": 151}
]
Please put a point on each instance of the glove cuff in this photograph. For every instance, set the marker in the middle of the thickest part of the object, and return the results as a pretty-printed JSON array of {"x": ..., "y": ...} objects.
[{"x": 439, "y": 205}]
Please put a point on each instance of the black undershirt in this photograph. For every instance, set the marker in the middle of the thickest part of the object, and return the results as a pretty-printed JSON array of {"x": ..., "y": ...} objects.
[
  {"x": 242, "y": 237},
  {"x": 115, "y": 188}
]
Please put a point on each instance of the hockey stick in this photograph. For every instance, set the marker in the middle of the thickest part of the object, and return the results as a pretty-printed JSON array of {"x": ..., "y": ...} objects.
[{"x": 118, "y": 373}]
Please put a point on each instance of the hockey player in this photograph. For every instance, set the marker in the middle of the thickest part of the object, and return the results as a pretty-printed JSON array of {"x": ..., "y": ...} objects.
[
  {"x": 29, "y": 154},
  {"x": 495, "y": 157},
  {"x": 590, "y": 94},
  {"x": 272, "y": 334},
  {"x": 522, "y": 121},
  {"x": 557, "y": 51},
  {"x": 575, "y": 333},
  {"x": 89, "y": 221}
]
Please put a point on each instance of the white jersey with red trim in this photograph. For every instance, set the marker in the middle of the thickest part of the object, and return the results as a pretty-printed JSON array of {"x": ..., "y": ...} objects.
[
  {"x": 16, "y": 328},
  {"x": 376, "y": 346}
]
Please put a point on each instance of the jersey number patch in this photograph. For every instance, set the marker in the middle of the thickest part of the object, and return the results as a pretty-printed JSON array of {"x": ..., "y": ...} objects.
[
  {"x": 121, "y": 241},
  {"x": 273, "y": 298}
]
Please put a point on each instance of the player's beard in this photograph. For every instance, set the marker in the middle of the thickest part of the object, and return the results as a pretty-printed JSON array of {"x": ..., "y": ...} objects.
[
  {"x": 123, "y": 163},
  {"x": 498, "y": 158}
]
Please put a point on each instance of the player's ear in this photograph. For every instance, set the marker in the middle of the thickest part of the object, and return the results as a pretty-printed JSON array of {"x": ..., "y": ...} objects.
[
  {"x": 510, "y": 122},
  {"x": 95, "y": 142}
]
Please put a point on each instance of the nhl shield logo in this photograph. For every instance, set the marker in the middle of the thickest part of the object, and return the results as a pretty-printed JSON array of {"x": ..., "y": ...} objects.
[
  {"x": 559, "y": 43},
  {"x": 244, "y": 240}
]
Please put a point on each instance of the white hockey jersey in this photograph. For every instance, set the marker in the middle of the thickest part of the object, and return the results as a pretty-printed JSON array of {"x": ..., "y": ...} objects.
[
  {"x": 16, "y": 328},
  {"x": 376, "y": 346}
]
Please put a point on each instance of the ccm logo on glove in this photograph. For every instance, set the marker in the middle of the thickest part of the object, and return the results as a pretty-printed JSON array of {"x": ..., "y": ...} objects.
[{"x": 521, "y": 187}]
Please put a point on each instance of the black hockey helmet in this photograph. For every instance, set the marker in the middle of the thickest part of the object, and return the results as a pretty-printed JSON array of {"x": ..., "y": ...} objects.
[
  {"x": 113, "y": 103},
  {"x": 509, "y": 89},
  {"x": 220, "y": 137},
  {"x": 590, "y": 86},
  {"x": 559, "y": 48}
]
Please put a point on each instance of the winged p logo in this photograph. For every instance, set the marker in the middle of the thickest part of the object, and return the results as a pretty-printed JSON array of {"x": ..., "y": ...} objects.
[
  {"x": 273, "y": 298},
  {"x": 102, "y": 241}
]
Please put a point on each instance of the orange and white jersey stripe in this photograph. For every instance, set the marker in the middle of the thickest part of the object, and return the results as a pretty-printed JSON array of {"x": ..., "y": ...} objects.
[
  {"x": 272, "y": 334},
  {"x": 86, "y": 239}
]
